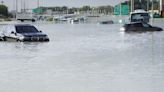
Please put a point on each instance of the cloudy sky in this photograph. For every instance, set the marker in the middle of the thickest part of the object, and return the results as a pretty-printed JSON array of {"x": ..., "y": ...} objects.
[{"x": 70, "y": 3}]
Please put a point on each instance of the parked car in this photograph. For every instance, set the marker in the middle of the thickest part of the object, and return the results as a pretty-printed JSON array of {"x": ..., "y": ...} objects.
[
  {"x": 22, "y": 32},
  {"x": 139, "y": 27}
]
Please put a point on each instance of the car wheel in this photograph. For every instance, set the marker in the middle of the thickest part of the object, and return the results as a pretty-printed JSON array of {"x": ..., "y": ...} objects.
[
  {"x": 33, "y": 20},
  {"x": 4, "y": 38},
  {"x": 22, "y": 20}
]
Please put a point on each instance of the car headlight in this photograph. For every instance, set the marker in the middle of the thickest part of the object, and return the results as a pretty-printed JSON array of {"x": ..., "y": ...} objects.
[
  {"x": 21, "y": 37},
  {"x": 46, "y": 37},
  {"x": 122, "y": 29}
]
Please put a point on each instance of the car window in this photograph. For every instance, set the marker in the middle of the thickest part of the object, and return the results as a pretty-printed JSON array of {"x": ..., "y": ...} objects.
[{"x": 26, "y": 29}]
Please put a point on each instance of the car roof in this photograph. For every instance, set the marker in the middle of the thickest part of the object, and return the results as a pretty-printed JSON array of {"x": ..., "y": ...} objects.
[
  {"x": 16, "y": 25},
  {"x": 139, "y": 11},
  {"x": 23, "y": 25}
]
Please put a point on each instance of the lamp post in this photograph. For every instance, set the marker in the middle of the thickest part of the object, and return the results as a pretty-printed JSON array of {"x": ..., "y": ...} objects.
[
  {"x": 161, "y": 7},
  {"x": 147, "y": 5},
  {"x": 120, "y": 8},
  {"x": 132, "y": 5},
  {"x": 16, "y": 4},
  {"x": 152, "y": 11},
  {"x": 152, "y": 7},
  {"x": 38, "y": 3}
]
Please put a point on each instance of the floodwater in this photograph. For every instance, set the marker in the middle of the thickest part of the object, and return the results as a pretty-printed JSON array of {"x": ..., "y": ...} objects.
[{"x": 84, "y": 58}]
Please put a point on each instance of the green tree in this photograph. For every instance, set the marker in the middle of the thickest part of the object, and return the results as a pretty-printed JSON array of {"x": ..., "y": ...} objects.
[
  {"x": 86, "y": 8},
  {"x": 3, "y": 10}
]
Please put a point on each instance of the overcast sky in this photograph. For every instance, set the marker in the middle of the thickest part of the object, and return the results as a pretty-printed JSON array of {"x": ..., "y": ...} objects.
[{"x": 70, "y": 3}]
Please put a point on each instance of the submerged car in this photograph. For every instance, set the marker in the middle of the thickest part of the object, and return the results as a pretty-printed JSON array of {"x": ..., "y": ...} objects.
[
  {"x": 140, "y": 27},
  {"x": 106, "y": 22},
  {"x": 22, "y": 32}
]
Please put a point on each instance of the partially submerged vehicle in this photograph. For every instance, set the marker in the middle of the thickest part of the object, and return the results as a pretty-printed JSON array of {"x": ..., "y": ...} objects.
[
  {"x": 139, "y": 27},
  {"x": 78, "y": 19},
  {"x": 106, "y": 22},
  {"x": 22, "y": 32}
]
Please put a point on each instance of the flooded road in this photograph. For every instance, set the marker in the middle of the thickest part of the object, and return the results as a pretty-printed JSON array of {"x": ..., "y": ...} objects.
[{"x": 84, "y": 58}]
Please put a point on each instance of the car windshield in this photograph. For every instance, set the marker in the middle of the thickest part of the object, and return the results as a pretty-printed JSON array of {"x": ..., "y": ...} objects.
[{"x": 26, "y": 29}]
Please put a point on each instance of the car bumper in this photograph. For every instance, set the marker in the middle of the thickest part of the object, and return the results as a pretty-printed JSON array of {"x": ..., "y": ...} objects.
[{"x": 35, "y": 39}]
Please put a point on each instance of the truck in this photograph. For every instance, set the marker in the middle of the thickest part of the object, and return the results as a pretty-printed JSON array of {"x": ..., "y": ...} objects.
[
  {"x": 139, "y": 15},
  {"x": 25, "y": 17}
]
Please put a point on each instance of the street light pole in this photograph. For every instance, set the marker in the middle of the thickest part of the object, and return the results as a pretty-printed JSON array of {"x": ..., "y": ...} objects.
[
  {"x": 120, "y": 8},
  {"x": 132, "y": 5},
  {"x": 147, "y": 5},
  {"x": 152, "y": 11},
  {"x": 16, "y": 3},
  {"x": 38, "y": 3},
  {"x": 152, "y": 8},
  {"x": 161, "y": 7}
]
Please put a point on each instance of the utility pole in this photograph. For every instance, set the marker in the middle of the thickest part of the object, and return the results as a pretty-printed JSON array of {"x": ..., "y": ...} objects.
[
  {"x": 132, "y": 5},
  {"x": 152, "y": 11},
  {"x": 16, "y": 5},
  {"x": 152, "y": 7},
  {"x": 38, "y": 3},
  {"x": 161, "y": 5},
  {"x": 120, "y": 8},
  {"x": 147, "y": 5}
]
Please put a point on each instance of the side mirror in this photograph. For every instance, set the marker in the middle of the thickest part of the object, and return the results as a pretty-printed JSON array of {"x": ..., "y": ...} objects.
[
  {"x": 40, "y": 31},
  {"x": 12, "y": 32}
]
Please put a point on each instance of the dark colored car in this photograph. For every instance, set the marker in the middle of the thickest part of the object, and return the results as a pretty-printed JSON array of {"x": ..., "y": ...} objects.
[
  {"x": 106, "y": 22},
  {"x": 23, "y": 32},
  {"x": 140, "y": 27}
]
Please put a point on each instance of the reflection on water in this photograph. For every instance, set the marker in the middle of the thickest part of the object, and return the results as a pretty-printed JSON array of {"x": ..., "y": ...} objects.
[{"x": 84, "y": 58}]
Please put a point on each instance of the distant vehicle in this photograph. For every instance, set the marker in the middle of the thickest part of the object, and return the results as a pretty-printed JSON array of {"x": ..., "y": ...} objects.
[
  {"x": 139, "y": 27},
  {"x": 106, "y": 22},
  {"x": 156, "y": 15},
  {"x": 22, "y": 32},
  {"x": 139, "y": 16},
  {"x": 25, "y": 17},
  {"x": 64, "y": 18},
  {"x": 78, "y": 20}
]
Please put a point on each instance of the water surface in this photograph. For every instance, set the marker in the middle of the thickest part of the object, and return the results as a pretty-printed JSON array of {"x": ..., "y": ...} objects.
[{"x": 84, "y": 58}]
